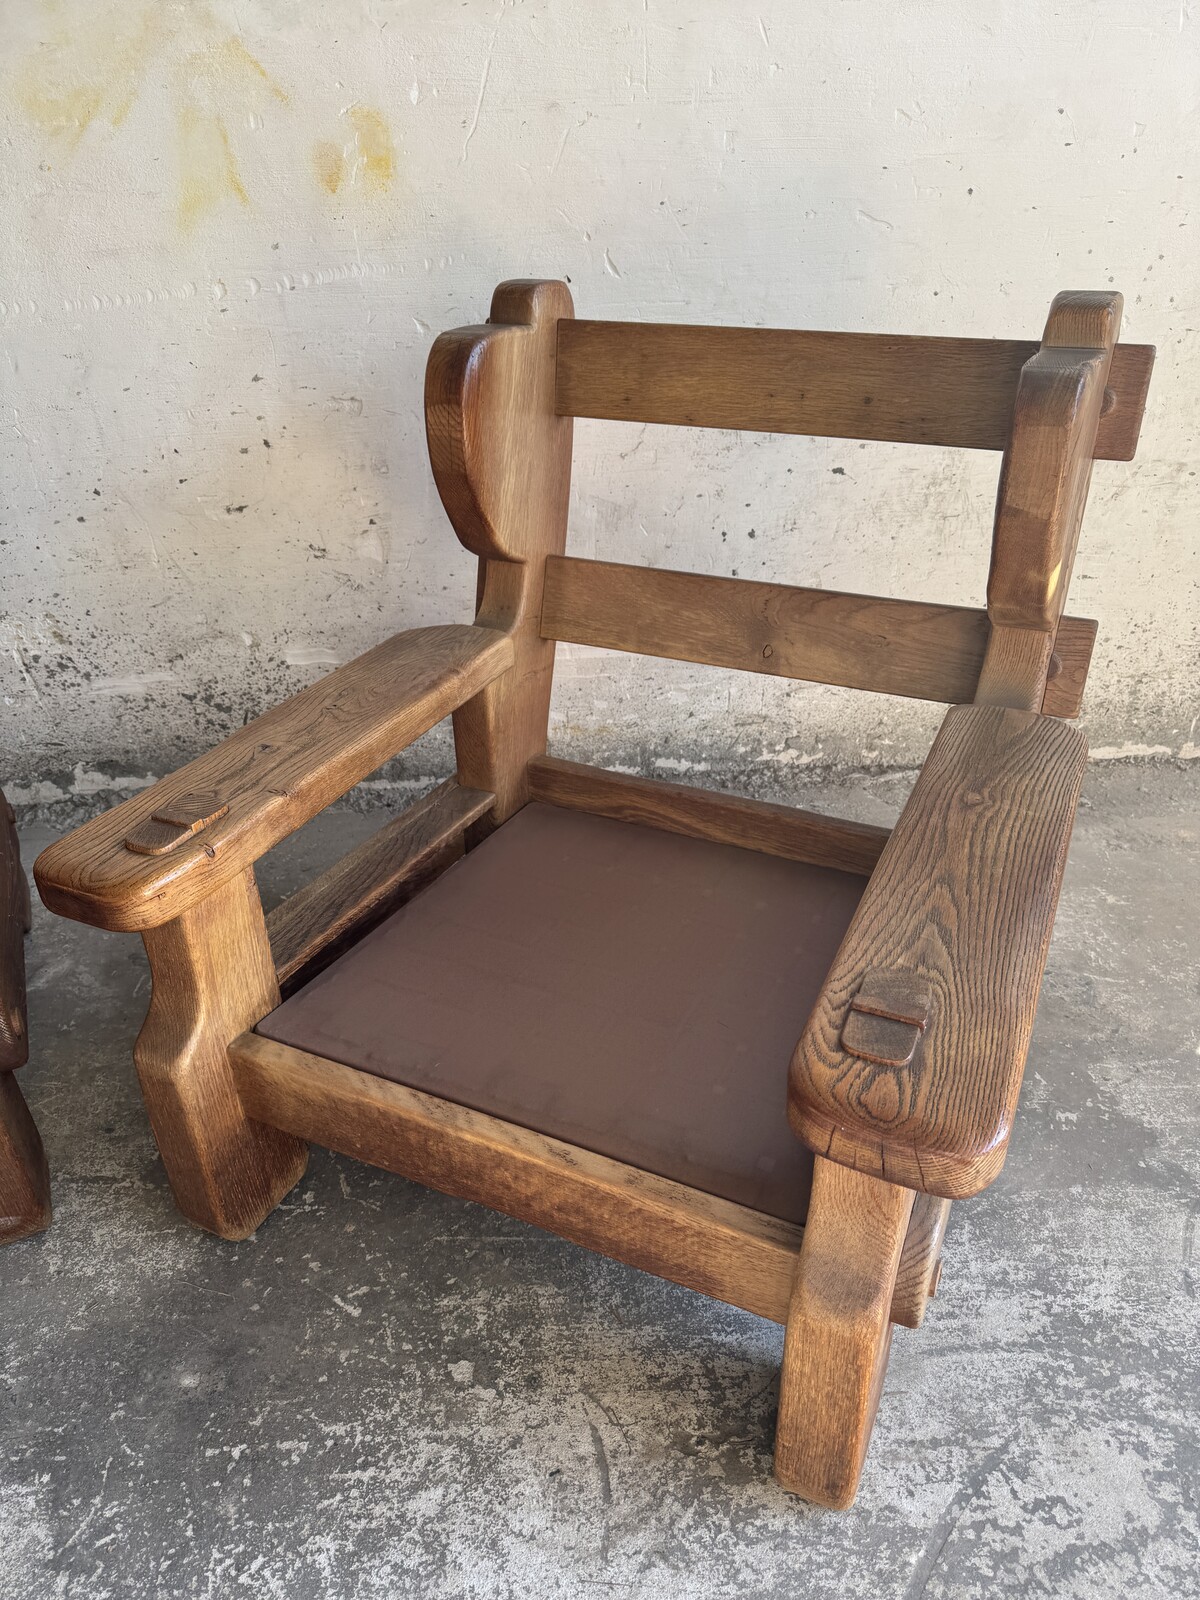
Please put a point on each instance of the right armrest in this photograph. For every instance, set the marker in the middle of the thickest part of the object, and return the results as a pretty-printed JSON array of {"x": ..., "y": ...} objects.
[
  {"x": 143, "y": 863},
  {"x": 911, "y": 1062}
]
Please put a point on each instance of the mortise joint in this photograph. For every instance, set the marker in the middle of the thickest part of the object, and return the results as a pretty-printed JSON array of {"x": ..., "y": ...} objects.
[
  {"x": 887, "y": 1017},
  {"x": 175, "y": 821}
]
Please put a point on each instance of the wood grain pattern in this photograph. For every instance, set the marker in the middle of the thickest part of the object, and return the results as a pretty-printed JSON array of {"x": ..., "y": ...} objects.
[
  {"x": 904, "y": 647},
  {"x": 1066, "y": 675},
  {"x": 960, "y": 899},
  {"x": 1016, "y": 669},
  {"x": 1058, "y": 412},
  {"x": 920, "y": 1260},
  {"x": 846, "y": 385},
  {"x": 14, "y": 924},
  {"x": 275, "y": 774},
  {"x": 501, "y": 458},
  {"x": 500, "y": 454},
  {"x": 964, "y": 896},
  {"x": 313, "y": 925},
  {"x": 24, "y": 1175},
  {"x": 706, "y": 814},
  {"x": 839, "y": 1333},
  {"x": 724, "y": 1250},
  {"x": 212, "y": 977},
  {"x": 1047, "y": 464},
  {"x": 173, "y": 822}
]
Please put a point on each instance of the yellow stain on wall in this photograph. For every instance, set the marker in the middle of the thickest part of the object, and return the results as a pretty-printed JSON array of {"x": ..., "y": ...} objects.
[
  {"x": 208, "y": 169},
  {"x": 329, "y": 164},
  {"x": 233, "y": 55},
  {"x": 376, "y": 152},
  {"x": 93, "y": 68},
  {"x": 374, "y": 160},
  {"x": 105, "y": 53}
]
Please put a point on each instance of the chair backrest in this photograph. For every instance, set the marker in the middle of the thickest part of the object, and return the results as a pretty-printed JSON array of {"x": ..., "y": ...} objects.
[
  {"x": 832, "y": 385},
  {"x": 499, "y": 411}
]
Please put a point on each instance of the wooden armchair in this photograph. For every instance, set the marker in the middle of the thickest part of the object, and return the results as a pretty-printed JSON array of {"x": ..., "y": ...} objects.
[
  {"x": 572, "y": 995},
  {"x": 24, "y": 1177}
]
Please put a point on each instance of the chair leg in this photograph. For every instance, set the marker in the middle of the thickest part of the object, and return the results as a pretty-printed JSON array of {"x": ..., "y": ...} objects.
[
  {"x": 24, "y": 1175},
  {"x": 213, "y": 978},
  {"x": 838, "y": 1332},
  {"x": 920, "y": 1260}
]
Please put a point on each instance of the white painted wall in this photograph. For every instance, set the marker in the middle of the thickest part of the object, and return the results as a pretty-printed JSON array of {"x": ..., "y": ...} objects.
[{"x": 232, "y": 228}]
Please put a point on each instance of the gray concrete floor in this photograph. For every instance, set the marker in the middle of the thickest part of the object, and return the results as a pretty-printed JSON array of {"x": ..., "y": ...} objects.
[{"x": 389, "y": 1392}]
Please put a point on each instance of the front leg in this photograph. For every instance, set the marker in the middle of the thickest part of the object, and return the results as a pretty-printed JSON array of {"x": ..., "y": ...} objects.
[
  {"x": 838, "y": 1331},
  {"x": 213, "y": 979},
  {"x": 24, "y": 1176}
]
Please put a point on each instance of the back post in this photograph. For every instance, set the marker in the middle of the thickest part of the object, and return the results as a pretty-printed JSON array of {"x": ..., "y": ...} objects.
[
  {"x": 501, "y": 460},
  {"x": 1061, "y": 396}
]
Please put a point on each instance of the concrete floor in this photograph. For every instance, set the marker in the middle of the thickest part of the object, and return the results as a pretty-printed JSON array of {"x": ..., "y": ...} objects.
[{"x": 392, "y": 1393}]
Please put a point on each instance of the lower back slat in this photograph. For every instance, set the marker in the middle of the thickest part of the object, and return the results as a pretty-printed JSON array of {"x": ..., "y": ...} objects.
[{"x": 903, "y": 647}]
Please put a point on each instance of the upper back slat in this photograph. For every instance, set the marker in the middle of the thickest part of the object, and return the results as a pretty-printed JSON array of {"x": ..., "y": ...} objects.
[{"x": 905, "y": 389}]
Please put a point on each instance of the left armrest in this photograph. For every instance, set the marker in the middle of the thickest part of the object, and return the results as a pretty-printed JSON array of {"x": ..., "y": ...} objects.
[
  {"x": 911, "y": 1063},
  {"x": 162, "y": 851}
]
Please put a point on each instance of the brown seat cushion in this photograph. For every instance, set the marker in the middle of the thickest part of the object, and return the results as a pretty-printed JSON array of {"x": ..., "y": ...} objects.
[{"x": 624, "y": 989}]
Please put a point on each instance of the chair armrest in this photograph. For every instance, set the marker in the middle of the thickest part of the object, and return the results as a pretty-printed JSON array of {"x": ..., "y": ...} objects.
[
  {"x": 162, "y": 851},
  {"x": 911, "y": 1063}
]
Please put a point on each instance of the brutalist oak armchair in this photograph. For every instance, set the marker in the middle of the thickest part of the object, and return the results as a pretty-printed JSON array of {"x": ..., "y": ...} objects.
[
  {"x": 571, "y": 994},
  {"x": 24, "y": 1176}
]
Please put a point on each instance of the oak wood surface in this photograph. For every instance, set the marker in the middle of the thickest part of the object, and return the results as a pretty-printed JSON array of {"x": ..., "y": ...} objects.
[
  {"x": 920, "y": 1260},
  {"x": 14, "y": 924},
  {"x": 963, "y": 897},
  {"x": 722, "y": 1249},
  {"x": 1057, "y": 414},
  {"x": 904, "y": 647},
  {"x": 24, "y": 1174},
  {"x": 275, "y": 774},
  {"x": 173, "y": 822},
  {"x": 1067, "y": 672},
  {"x": 1047, "y": 466},
  {"x": 501, "y": 458},
  {"x": 849, "y": 385},
  {"x": 317, "y": 921},
  {"x": 705, "y": 814},
  {"x": 838, "y": 1332},
  {"x": 212, "y": 977},
  {"x": 1016, "y": 668}
]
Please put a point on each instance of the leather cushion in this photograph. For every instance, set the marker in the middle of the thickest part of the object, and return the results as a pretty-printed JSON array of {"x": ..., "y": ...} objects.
[{"x": 625, "y": 989}]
